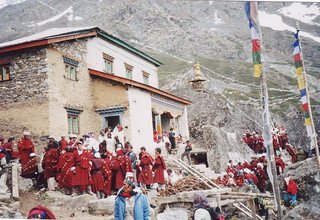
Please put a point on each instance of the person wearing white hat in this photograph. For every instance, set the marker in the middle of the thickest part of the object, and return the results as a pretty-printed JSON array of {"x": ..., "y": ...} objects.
[
  {"x": 97, "y": 175},
  {"x": 30, "y": 168},
  {"x": 25, "y": 147}
]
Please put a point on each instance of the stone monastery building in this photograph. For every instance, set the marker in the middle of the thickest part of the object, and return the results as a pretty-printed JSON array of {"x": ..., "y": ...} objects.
[{"x": 77, "y": 80}]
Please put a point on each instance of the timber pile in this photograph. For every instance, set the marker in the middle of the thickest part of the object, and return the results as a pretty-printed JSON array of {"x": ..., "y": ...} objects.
[{"x": 188, "y": 183}]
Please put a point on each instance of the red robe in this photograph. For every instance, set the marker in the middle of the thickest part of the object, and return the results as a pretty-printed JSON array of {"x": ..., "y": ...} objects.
[
  {"x": 30, "y": 168},
  {"x": 280, "y": 163},
  {"x": 292, "y": 187},
  {"x": 82, "y": 175},
  {"x": 145, "y": 175},
  {"x": 8, "y": 147},
  {"x": 63, "y": 143},
  {"x": 97, "y": 175},
  {"x": 293, "y": 153},
  {"x": 25, "y": 147},
  {"x": 65, "y": 176},
  {"x": 159, "y": 168},
  {"x": 49, "y": 163},
  {"x": 262, "y": 177},
  {"x": 120, "y": 166},
  {"x": 107, "y": 174}
]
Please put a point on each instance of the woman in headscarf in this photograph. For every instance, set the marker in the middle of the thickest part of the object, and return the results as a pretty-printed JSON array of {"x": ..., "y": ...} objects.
[{"x": 202, "y": 209}]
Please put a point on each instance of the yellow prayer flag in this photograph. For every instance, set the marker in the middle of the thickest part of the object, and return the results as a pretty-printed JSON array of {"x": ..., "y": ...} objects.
[
  {"x": 301, "y": 83},
  {"x": 299, "y": 71},
  {"x": 308, "y": 121},
  {"x": 257, "y": 70}
]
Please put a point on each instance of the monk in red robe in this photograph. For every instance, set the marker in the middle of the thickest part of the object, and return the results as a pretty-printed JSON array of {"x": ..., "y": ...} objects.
[
  {"x": 159, "y": 167},
  {"x": 107, "y": 174},
  {"x": 25, "y": 147},
  {"x": 63, "y": 143},
  {"x": 292, "y": 151},
  {"x": 97, "y": 175},
  {"x": 145, "y": 176},
  {"x": 65, "y": 175},
  {"x": 82, "y": 168},
  {"x": 30, "y": 168},
  {"x": 280, "y": 165},
  {"x": 262, "y": 177},
  {"x": 49, "y": 163}
]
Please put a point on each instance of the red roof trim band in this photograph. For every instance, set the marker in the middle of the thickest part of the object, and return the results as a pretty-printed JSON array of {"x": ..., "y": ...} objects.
[
  {"x": 45, "y": 42},
  {"x": 138, "y": 85}
]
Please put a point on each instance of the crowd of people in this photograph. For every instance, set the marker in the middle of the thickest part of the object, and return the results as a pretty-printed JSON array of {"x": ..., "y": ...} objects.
[
  {"x": 280, "y": 142},
  {"x": 86, "y": 164}
]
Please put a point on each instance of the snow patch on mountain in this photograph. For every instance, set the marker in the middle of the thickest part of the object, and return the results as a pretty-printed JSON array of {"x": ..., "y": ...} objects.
[
  {"x": 276, "y": 23},
  {"x": 301, "y": 12},
  {"x": 56, "y": 17},
  {"x": 5, "y": 3}
]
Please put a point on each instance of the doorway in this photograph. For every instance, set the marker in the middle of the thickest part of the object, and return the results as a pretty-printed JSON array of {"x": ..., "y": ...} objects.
[{"x": 112, "y": 121}]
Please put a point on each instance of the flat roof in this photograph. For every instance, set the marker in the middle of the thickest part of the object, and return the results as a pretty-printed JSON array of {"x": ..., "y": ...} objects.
[
  {"x": 55, "y": 35},
  {"x": 139, "y": 85}
]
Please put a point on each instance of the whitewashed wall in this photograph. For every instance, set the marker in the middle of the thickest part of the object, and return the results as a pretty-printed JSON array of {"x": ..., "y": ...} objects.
[
  {"x": 140, "y": 119},
  {"x": 98, "y": 46},
  {"x": 183, "y": 124}
]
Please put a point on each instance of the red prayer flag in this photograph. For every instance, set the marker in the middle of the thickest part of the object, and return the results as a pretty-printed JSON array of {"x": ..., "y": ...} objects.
[
  {"x": 297, "y": 57},
  {"x": 256, "y": 45},
  {"x": 305, "y": 107}
]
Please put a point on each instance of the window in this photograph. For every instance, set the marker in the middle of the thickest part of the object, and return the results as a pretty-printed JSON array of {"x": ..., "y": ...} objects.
[
  {"x": 5, "y": 72},
  {"x": 128, "y": 70},
  {"x": 145, "y": 77},
  {"x": 73, "y": 120},
  {"x": 73, "y": 124},
  {"x": 108, "y": 63},
  {"x": 70, "y": 68},
  {"x": 129, "y": 74}
]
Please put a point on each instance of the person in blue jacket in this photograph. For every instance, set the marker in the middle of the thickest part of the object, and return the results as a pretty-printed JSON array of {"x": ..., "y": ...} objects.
[{"x": 130, "y": 204}]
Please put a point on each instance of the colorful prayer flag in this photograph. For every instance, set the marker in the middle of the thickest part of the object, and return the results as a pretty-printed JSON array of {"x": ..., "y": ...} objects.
[
  {"x": 251, "y": 9},
  {"x": 308, "y": 121}
]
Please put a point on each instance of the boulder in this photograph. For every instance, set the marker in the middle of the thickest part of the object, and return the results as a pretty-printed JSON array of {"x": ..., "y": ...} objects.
[
  {"x": 174, "y": 214},
  {"x": 102, "y": 206}
]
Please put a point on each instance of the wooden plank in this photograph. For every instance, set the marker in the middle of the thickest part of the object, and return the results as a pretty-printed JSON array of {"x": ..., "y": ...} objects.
[
  {"x": 15, "y": 183},
  {"x": 253, "y": 209},
  {"x": 251, "y": 194},
  {"x": 207, "y": 192}
]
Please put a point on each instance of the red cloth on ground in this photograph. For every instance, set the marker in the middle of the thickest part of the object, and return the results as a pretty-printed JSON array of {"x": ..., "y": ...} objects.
[
  {"x": 159, "y": 168},
  {"x": 25, "y": 147},
  {"x": 38, "y": 210},
  {"x": 65, "y": 176},
  {"x": 292, "y": 187},
  {"x": 49, "y": 163}
]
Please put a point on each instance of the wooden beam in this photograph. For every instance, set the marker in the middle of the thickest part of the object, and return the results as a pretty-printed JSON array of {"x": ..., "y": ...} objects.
[
  {"x": 15, "y": 183},
  {"x": 251, "y": 194},
  {"x": 253, "y": 209}
]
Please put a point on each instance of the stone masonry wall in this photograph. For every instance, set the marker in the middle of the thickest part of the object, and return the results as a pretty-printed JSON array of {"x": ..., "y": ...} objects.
[
  {"x": 64, "y": 92},
  {"x": 24, "y": 102}
]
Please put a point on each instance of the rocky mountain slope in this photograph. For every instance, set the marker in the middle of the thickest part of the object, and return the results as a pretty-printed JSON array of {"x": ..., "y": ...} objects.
[{"x": 179, "y": 33}]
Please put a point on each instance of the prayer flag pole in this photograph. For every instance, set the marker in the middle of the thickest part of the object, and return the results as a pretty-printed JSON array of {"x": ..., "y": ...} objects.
[
  {"x": 313, "y": 133},
  {"x": 251, "y": 9}
]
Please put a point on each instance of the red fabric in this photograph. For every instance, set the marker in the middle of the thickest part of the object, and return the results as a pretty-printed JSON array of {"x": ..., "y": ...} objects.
[
  {"x": 145, "y": 175},
  {"x": 120, "y": 166},
  {"x": 97, "y": 175},
  {"x": 305, "y": 107},
  {"x": 65, "y": 176},
  {"x": 262, "y": 177},
  {"x": 38, "y": 209},
  {"x": 159, "y": 168},
  {"x": 293, "y": 153},
  {"x": 230, "y": 170},
  {"x": 297, "y": 57},
  {"x": 107, "y": 174},
  {"x": 30, "y": 168},
  {"x": 8, "y": 147},
  {"x": 2, "y": 155},
  {"x": 63, "y": 143},
  {"x": 255, "y": 45},
  {"x": 246, "y": 165},
  {"x": 25, "y": 147},
  {"x": 82, "y": 173},
  {"x": 49, "y": 163},
  {"x": 280, "y": 163},
  {"x": 292, "y": 187}
]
